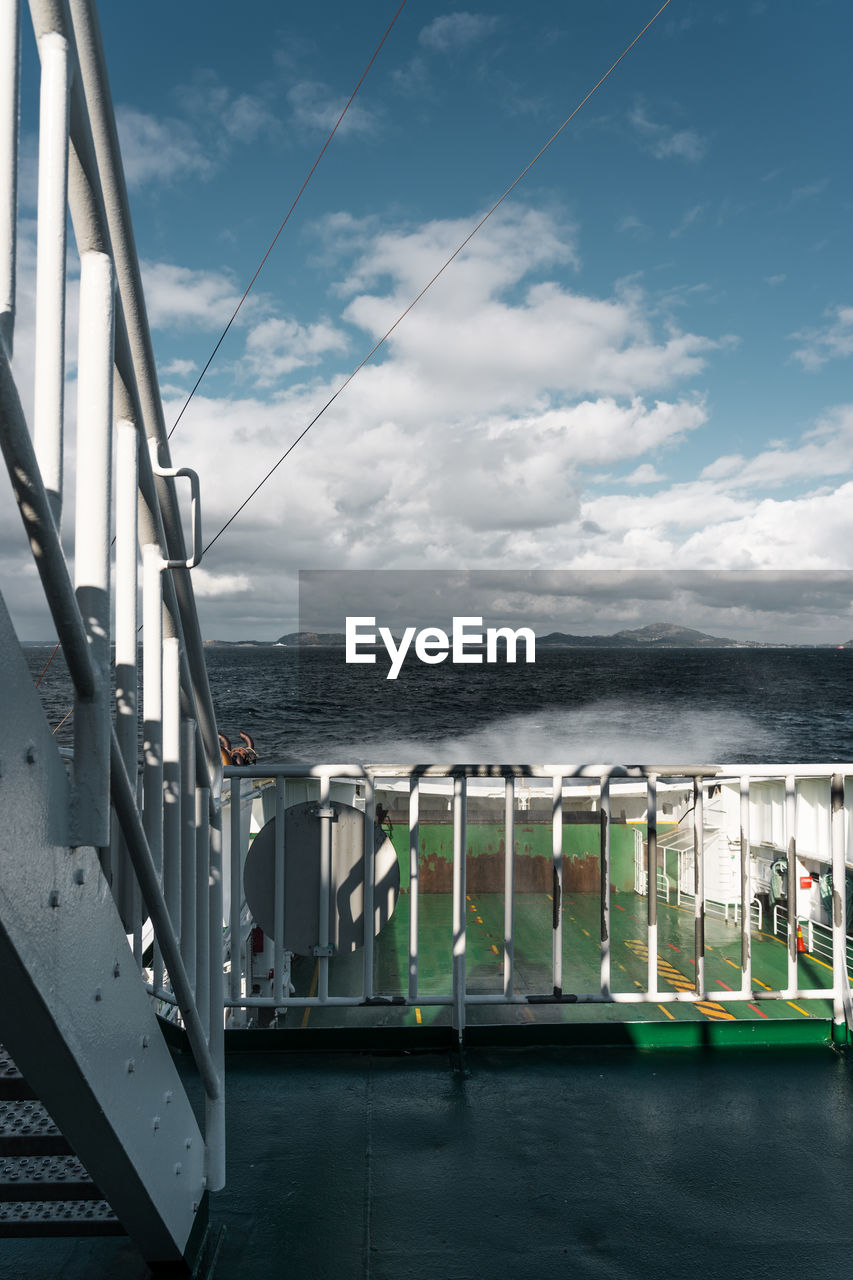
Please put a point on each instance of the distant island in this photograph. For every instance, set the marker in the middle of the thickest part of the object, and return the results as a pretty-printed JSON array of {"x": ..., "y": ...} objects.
[{"x": 657, "y": 635}]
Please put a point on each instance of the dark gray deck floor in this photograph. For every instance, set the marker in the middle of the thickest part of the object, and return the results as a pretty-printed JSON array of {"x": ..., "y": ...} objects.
[{"x": 541, "y": 1162}]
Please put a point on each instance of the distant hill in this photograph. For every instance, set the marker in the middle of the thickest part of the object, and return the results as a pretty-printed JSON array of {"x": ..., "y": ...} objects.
[
  {"x": 657, "y": 635},
  {"x": 312, "y": 639}
]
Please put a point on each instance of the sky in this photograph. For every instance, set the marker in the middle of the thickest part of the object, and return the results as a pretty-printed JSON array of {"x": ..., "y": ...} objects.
[{"x": 642, "y": 361}]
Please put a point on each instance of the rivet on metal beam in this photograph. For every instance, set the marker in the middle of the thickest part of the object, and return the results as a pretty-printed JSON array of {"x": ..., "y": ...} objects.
[
  {"x": 116, "y": 969},
  {"x": 131, "y": 1066},
  {"x": 30, "y": 754},
  {"x": 155, "y": 1123},
  {"x": 98, "y": 994},
  {"x": 53, "y": 899},
  {"x": 145, "y": 1042},
  {"x": 79, "y": 875},
  {"x": 177, "y": 1169}
]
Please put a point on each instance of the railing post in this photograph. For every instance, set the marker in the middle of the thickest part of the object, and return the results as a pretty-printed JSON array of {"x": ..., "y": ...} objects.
[
  {"x": 10, "y": 63},
  {"x": 791, "y": 847},
  {"x": 280, "y": 890},
  {"x": 460, "y": 915},
  {"x": 509, "y": 885},
  {"x": 557, "y": 885},
  {"x": 605, "y": 887},
  {"x": 839, "y": 899},
  {"x": 699, "y": 886},
  {"x": 652, "y": 881},
  {"x": 237, "y": 1015},
  {"x": 188, "y": 850},
  {"x": 326, "y": 815},
  {"x": 369, "y": 875},
  {"x": 745, "y": 892},
  {"x": 48, "y": 405},
  {"x": 125, "y": 888},
  {"x": 172, "y": 780},
  {"x": 90, "y": 816},
  {"x": 414, "y": 838}
]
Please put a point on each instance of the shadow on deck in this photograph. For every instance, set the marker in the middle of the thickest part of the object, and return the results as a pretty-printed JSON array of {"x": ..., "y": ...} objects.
[{"x": 539, "y": 1161}]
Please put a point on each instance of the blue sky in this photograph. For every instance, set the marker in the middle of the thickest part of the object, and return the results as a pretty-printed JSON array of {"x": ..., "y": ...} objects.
[{"x": 642, "y": 361}]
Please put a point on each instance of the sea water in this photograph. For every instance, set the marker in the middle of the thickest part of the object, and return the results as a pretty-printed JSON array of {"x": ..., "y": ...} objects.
[{"x": 676, "y": 706}]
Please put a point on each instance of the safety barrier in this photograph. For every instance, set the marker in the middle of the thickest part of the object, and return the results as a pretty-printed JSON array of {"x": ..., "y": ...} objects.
[{"x": 459, "y": 997}]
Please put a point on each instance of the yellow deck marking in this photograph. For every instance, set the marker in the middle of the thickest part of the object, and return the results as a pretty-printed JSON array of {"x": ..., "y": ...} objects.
[
  {"x": 312, "y": 991},
  {"x": 586, "y": 931},
  {"x": 759, "y": 983},
  {"x": 621, "y": 966},
  {"x": 732, "y": 963},
  {"x": 479, "y": 919},
  {"x": 798, "y": 1009},
  {"x": 418, "y": 1018},
  {"x": 664, "y": 1009},
  {"x": 674, "y": 978},
  {"x": 494, "y": 948},
  {"x": 548, "y": 896},
  {"x": 528, "y": 1015}
]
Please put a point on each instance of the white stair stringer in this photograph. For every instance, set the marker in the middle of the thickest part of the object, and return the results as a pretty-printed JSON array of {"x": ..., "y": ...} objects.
[{"x": 73, "y": 1011}]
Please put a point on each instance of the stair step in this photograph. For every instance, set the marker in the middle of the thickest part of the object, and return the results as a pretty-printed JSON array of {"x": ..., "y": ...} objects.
[
  {"x": 13, "y": 1086},
  {"x": 26, "y": 1129},
  {"x": 58, "y": 1218},
  {"x": 45, "y": 1178}
]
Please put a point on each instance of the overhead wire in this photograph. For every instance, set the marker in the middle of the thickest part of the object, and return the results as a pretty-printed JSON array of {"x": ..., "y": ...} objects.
[
  {"x": 434, "y": 278},
  {"x": 286, "y": 219}
]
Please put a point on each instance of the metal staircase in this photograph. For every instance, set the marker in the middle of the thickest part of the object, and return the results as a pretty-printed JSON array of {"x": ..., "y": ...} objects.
[{"x": 97, "y": 1133}]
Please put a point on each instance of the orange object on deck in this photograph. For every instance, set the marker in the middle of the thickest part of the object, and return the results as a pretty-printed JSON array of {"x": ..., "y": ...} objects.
[{"x": 801, "y": 946}]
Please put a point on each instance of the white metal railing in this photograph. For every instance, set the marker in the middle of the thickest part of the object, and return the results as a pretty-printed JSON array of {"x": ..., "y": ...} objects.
[
  {"x": 817, "y": 937},
  {"x": 161, "y": 856},
  {"x": 458, "y": 997}
]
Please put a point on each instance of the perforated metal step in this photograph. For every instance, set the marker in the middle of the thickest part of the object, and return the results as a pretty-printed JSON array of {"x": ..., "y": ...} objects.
[
  {"x": 13, "y": 1086},
  {"x": 26, "y": 1129},
  {"x": 45, "y": 1178},
  {"x": 58, "y": 1218}
]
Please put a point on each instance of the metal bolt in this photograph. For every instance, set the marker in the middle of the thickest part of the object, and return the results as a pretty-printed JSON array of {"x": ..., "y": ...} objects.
[
  {"x": 145, "y": 1042},
  {"x": 98, "y": 993},
  {"x": 30, "y": 754},
  {"x": 189, "y": 1143},
  {"x": 168, "y": 1095},
  {"x": 79, "y": 875},
  {"x": 53, "y": 900},
  {"x": 116, "y": 969},
  {"x": 156, "y": 1124},
  {"x": 131, "y": 1066},
  {"x": 177, "y": 1168}
]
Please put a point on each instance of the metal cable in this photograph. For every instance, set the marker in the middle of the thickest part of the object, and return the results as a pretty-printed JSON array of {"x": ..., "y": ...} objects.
[
  {"x": 286, "y": 219},
  {"x": 432, "y": 281}
]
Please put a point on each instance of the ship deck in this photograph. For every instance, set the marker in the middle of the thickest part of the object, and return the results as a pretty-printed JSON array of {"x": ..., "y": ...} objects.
[
  {"x": 530, "y": 1162},
  {"x": 651, "y": 1141}
]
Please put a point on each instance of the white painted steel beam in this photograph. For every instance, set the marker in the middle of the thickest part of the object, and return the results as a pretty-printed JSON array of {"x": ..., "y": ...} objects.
[
  {"x": 49, "y": 383},
  {"x": 10, "y": 63}
]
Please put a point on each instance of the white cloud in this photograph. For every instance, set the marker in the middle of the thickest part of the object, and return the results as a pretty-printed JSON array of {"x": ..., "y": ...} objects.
[
  {"x": 832, "y": 341},
  {"x": 159, "y": 149},
  {"x": 452, "y": 31},
  {"x": 665, "y": 142},
  {"x": 276, "y": 347},
  {"x": 315, "y": 107},
  {"x": 178, "y": 296},
  {"x": 645, "y": 474}
]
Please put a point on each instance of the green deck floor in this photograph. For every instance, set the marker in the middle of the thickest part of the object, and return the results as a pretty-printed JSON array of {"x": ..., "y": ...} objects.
[{"x": 581, "y": 959}]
